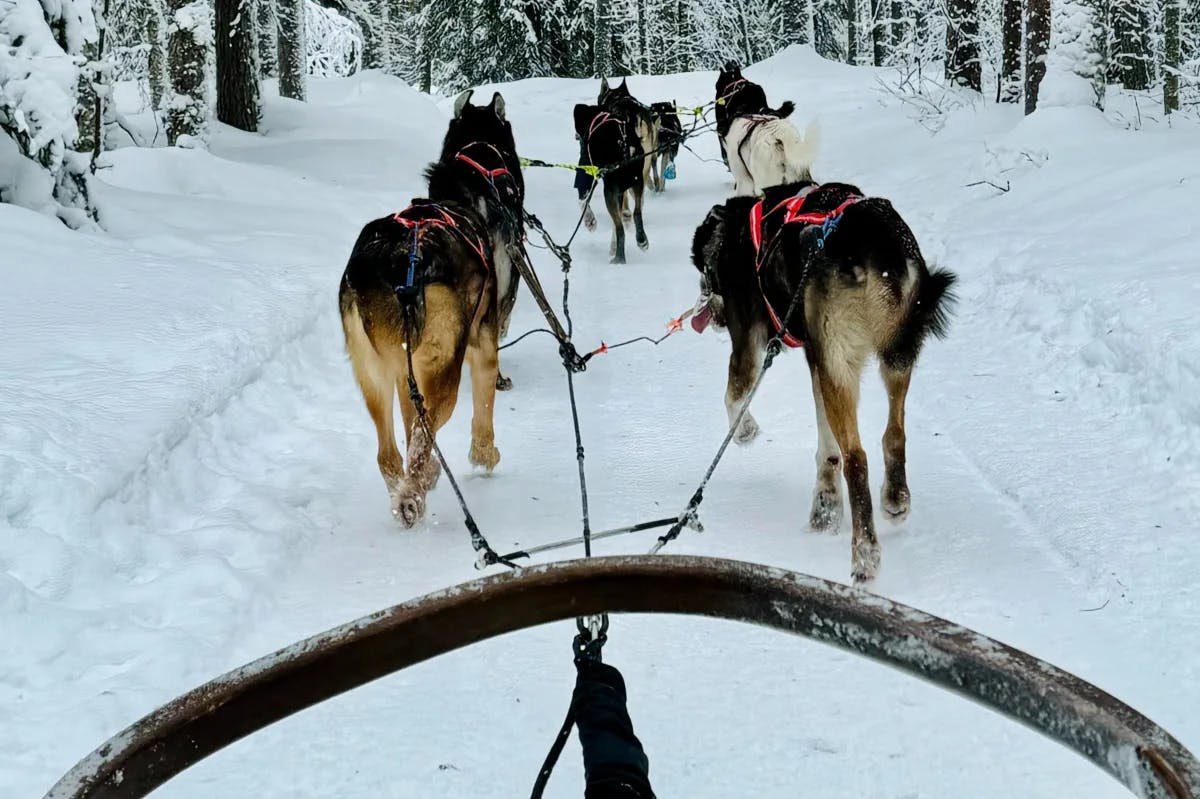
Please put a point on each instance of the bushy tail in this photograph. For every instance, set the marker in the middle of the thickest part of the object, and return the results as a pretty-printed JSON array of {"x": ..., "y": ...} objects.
[
  {"x": 929, "y": 315},
  {"x": 936, "y": 298},
  {"x": 784, "y": 111},
  {"x": 798, "y": 152}
]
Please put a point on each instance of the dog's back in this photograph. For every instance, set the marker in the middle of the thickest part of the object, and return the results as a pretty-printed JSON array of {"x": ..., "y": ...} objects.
[{"x": 768, "y": 151}]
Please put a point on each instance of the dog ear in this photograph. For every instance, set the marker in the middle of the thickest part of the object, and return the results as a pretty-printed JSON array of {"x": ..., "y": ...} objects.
[
  {"x": 624, "y": 82},
  {"x": 461, "y": 102},
  {"x": 497, "y": 105},
  {"x": 603, "y": 87}
]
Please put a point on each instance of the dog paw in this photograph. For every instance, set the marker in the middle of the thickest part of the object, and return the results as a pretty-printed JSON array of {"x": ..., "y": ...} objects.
[
  {"x": 485, "y": 456},
  {"x": 643, "y": 242},
  {"x": 408, "y": 506},
  {"x": 747, "y": 431},
  {"x": 589, "y": 220},
  {"x": 896, "y": 503},
  {"x": 617, "y": 259},
  {"x": 826, "y": 515},
  {"x": 864, "y": 562},
  {"x": 503, "y": 383}
]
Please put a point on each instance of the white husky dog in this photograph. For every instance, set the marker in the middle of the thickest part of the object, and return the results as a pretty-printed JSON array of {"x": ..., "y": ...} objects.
[{"x": 768, "y": 151}]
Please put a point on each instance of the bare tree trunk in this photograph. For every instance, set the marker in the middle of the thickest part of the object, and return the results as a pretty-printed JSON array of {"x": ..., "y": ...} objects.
[
  {"x": 1171, "y": 59},
  {"x": 293, "y": 56},
  {"x": 1037, "y": 43},
  {"x": 187, "y": 61},
  {"x": 238, "y": 99},
  {"x": 1010, "y": 63},
  {"x": 962, "y": 44}
]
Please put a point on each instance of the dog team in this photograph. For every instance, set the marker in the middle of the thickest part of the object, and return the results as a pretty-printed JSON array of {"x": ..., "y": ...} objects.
[{"x": 820, "y": 266}]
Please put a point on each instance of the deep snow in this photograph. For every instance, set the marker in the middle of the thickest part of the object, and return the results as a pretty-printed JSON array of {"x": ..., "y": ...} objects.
[{"x": 187, "y": 475}]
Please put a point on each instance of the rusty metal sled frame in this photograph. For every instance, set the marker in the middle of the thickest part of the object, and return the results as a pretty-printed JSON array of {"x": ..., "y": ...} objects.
[{"x": 1112, "y": 735}]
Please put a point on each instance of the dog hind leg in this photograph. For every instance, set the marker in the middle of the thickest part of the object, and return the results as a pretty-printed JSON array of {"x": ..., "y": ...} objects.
[
  {"x": 744, "y": 362},
  {"x": 613, "y": 201},
  {"x": 894, "y": 496},
  {"x": 826, "y": 514},
  {"x": 376, "y": 381},
  {"x": 483, "y": 358},
  {"x": 437, "y": 361},
  {"x": 841, "y": 408}
]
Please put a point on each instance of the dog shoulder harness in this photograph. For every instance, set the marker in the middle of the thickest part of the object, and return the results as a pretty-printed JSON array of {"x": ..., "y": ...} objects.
[
  {"x": 418, "y": 217},
  {"x": 793, "y": 214}
]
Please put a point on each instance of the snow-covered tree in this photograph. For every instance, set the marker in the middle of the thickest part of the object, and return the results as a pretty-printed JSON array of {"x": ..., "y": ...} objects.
[
  {"x": 333, "y": 42},
  {"x": 266, "y": 29},
  {"x": 293, "y": 51},
  {"x": 1037, "y": 45},
  {"x": 962, "y": 44},
  {"x": 41, "y": 55},
  {"x": 1010, "y": 66},
  {"x": 1078, "y": 52},
  {"x": 238, "y": 91},
  {"x": 1172, "y": 60},
  {"x": 1131, "y": 57},
  {"x": 189, "y": 39}
]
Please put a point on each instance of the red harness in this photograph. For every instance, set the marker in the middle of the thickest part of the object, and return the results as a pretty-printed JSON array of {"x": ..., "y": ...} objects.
[
  {"x": 490, "y": 174},
  {"x": 793, "y": 208},
  {"x": 416, "y": 217}
]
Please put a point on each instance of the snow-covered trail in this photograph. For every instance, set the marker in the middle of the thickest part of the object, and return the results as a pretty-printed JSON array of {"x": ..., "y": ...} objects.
[{"x": 1035, "y": 436}]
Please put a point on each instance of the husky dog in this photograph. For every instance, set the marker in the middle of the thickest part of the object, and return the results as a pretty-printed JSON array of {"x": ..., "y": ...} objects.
[
  {"x": 613, "y": 137},
  {"x": 768, "y": 151},
  {"x": 738, "y": 96},
  {"x": 670, "y": 136},
  {"x": 861, "y": 288},
  {"x": 619, "y": 100},
  {"x": 434, "y": 283}
]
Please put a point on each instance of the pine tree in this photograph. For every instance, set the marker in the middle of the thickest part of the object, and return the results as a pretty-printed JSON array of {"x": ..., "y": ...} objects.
[
  {"x": 293, "y": 58},
  {"x": 795, "y": 20},
  {"x": 1078, "y": 43},
  {"x": 1171, "y": 54},
  {"x": 189, "y": 35},
  {"x": 1037, "y": 45},
  {"x": 827, "y": 25},
  {"x": 963, "y": 65},
  {"x": 1010, "y": 66},
  {"x": 238, "y": 98},
  {"x": 852, "y": 25}
]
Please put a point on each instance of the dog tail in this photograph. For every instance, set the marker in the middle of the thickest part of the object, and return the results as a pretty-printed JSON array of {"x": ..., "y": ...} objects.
[
  {"x": 928, "y": 315},
  {"x": 797, "y": 153},
  {"x": 784, "y": 111}
]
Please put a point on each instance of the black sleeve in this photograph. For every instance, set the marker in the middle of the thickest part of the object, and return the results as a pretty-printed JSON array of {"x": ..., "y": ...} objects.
[{"x": 614, "y": 763}]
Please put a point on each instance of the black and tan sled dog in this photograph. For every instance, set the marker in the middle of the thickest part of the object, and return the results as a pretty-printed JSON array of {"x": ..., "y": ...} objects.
[
  {"x": 438, "y": 277},
  {"x": 864, "y": 290}
]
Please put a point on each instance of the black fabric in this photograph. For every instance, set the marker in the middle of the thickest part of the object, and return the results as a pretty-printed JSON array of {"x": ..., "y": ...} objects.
[
  {"x": 615, "y": 765},
  {"x": 583, "y": 181}
]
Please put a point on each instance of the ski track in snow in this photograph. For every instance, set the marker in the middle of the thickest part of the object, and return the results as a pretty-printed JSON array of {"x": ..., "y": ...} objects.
[{"x": 170, "y": 515}]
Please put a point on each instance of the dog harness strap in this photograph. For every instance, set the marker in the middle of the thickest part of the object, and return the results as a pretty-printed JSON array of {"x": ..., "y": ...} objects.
[
  {"x": 793, "y": 208},
  {"x": 491, "y": 174},
  {"x": 409, "y": 218}
]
